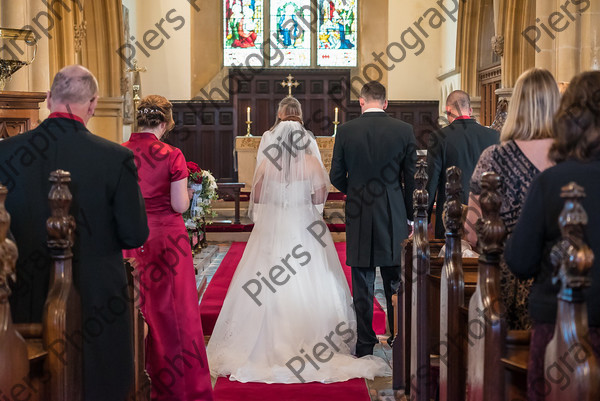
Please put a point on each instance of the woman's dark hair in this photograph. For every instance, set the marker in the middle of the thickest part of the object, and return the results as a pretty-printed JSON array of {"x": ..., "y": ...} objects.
[
  {"x": 577, "y": 121},
  {"x": 153, "y": 110}
]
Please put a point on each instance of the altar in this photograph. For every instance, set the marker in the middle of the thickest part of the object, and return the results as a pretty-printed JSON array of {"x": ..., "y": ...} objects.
[{"x": 246, "y": 148}]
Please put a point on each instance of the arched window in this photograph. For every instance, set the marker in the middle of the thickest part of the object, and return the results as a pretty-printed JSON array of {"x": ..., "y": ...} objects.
[{"x": 301, "y": 33}]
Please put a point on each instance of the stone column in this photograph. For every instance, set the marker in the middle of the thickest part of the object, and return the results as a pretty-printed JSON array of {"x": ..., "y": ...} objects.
[
  {"x": 590, "y": 37},
  {"x": 545, "y": 56}
]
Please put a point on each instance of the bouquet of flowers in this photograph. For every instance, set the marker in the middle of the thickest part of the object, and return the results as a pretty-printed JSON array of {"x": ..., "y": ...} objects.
[{"x": 204, "y": 187}]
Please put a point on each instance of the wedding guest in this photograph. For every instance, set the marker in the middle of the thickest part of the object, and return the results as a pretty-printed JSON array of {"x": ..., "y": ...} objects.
[
  {"x": 526, "y": 138},
  {"x": 109, "y": 210},
  {"x": 576, "y": 150},
  {"x": 459, "y": 144},
  {"x": 169, "y": 300}
]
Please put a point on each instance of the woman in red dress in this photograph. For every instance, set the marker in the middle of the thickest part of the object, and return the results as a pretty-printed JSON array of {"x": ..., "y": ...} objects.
[{"x": 175, "y": 353}]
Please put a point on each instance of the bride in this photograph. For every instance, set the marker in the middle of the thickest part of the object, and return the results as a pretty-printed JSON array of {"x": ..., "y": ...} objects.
[{"x": 288, "y": 315}]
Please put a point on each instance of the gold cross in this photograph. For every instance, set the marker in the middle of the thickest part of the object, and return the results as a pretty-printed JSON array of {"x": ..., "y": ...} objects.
[{"x": 290, "y": 82}]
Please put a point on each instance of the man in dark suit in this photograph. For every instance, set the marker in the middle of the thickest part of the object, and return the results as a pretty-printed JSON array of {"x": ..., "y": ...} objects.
[
  {"x": 459, "y": 144},
  {"x": 109, "y": 209},
  {"x": 373, "y": 156}
]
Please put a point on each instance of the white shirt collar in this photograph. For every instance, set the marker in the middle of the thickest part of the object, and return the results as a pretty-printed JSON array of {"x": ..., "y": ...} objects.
[{"x": 374, "y": 109}]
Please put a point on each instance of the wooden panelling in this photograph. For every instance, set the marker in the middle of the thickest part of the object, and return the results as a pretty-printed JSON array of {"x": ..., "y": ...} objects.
[{"x": 205, "y": 130}]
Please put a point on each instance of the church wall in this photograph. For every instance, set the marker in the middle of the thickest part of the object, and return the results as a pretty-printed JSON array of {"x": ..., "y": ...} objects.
[
  {"x": 166, "y": 27},
  {"x": 410, "y": 25}
]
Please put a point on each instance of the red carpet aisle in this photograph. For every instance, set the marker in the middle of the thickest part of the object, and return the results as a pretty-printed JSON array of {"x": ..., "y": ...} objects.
[
  {"x": 214, "y": 296},
  {"x": 351, "y": 390}
]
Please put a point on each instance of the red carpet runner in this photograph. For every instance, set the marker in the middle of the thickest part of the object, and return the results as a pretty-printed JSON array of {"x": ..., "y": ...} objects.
[
  {"x": 213, "y": 298},
  {"x": 351, "y": 390}
]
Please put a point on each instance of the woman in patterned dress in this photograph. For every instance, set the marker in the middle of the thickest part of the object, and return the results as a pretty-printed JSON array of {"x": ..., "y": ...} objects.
[{"x": 526, "y": 138}]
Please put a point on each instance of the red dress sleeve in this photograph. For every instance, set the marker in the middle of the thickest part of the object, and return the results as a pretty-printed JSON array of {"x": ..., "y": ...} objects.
[{"x": 179, "y": 169}]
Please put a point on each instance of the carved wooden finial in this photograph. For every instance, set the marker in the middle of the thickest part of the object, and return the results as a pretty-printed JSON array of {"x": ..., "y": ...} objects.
[
  {"x": 571, "y": 257},
  {"x": 453, "y": 208},
  {"x": 60, "y": 225},
  {"x": 490, "y": 228},
  {"x": 8, "y": 249},
  {"x": 420, "y": 195}
]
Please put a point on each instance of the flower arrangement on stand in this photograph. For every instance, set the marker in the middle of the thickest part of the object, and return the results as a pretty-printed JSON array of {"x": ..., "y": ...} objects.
[{"x": 204, "y": 187}]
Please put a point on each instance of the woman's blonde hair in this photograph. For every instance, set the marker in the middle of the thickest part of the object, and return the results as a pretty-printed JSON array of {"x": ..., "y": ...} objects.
[
  {"x": 534, "y": 101},
  {"x": 289, "y": 109}
]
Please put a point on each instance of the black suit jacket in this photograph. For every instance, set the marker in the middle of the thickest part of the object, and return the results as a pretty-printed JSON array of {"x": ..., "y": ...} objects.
[
  {"x": 110, "y": 215},
  {"x": 459, "y": 144},
  {"x": 373, "y": 156}
]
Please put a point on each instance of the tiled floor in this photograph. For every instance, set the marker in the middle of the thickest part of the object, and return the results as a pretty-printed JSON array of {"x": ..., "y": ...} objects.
[{"x": 380, "y": 389}]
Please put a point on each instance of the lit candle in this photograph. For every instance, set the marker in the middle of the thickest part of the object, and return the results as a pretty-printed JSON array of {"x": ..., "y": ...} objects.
[
  {"x": 248, "y": 110},
  {"x": 336, "y": 114}
]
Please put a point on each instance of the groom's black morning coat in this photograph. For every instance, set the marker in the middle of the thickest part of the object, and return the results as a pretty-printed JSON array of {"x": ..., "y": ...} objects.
[{"x": 373, "y": 156}]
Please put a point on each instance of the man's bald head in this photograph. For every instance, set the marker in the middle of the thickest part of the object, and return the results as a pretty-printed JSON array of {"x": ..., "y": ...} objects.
[
  {"x": 74, "y": 84},
  {"x": 458, "y": 104}
]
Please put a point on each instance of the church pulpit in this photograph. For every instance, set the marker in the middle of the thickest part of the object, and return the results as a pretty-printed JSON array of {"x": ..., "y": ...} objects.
[{"x": 19, "y": 112}]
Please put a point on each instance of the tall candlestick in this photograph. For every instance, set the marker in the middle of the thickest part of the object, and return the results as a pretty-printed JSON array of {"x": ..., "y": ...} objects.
[
  {"x": 248, "y": 122},
  {"x": 335, "y": 122}
]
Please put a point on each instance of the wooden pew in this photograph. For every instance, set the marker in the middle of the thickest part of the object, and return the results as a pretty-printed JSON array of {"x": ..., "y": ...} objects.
[
  {"x": 570, "y": 366},
  {"x": 416, "y": 293},
  {"x": 141, "y": 380},
  {"x": 54, "y": 364},
  {"x": 486, "y": 324},
  {"x": 452, "y": 377},
  {"x": 414, "y": 274},
  {"x": 62, "y": 311},
  {"x": 14, "y": 365}
]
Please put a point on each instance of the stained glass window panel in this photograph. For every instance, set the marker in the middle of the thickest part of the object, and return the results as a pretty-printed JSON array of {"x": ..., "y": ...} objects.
[
  {"x": 243, "y": 30},
  {"x": 290, "y": 33},
  {"x": 337, "y": 33}
]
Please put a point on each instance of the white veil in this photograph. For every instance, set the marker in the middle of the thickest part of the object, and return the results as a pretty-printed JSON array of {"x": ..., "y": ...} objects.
[{"x": 289, "y": 172}]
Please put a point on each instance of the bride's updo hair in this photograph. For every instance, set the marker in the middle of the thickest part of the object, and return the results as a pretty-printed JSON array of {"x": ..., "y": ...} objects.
[
  {"x": 153, "y": 110},
  {"x": 289, "y": 110}
]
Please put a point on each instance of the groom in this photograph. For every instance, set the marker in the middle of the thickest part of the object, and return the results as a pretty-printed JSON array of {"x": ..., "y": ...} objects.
[{"x": 373, "y": 163}]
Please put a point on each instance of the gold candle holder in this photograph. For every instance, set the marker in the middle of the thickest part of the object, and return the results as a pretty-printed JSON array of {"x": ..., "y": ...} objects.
[
  {"x": 335, "y": 122},
  {"x": 248, "y": 125}
]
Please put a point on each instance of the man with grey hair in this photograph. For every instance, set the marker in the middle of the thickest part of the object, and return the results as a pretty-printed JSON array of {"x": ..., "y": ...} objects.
[
  {"x": 110, "y": 215},
  {"x": 459, "y": 144}
]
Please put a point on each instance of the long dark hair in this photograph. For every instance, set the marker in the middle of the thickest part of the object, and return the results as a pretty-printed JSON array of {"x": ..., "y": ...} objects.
[{"x": 577, "y": 122}]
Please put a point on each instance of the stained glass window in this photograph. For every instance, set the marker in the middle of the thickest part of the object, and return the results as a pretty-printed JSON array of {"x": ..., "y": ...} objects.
[
  {"x": 336, "y": 33},
  {"x": 290, "y": 33},
  {"x": 243, "y": 30}
]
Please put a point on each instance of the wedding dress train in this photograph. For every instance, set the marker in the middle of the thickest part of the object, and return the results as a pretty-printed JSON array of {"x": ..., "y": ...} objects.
[{"x": 288, "y": 316}]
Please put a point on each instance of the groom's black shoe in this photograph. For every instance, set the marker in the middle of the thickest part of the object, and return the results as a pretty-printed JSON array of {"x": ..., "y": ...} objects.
[{"x": 364, "y": 350}]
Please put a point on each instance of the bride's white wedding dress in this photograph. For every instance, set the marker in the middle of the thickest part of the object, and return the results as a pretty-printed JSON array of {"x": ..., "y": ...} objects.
[{"x": 288, "y": 316}]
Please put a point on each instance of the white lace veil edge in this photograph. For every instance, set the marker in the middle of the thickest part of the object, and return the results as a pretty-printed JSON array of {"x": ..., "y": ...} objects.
[{"x": 289, "y": 170}]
